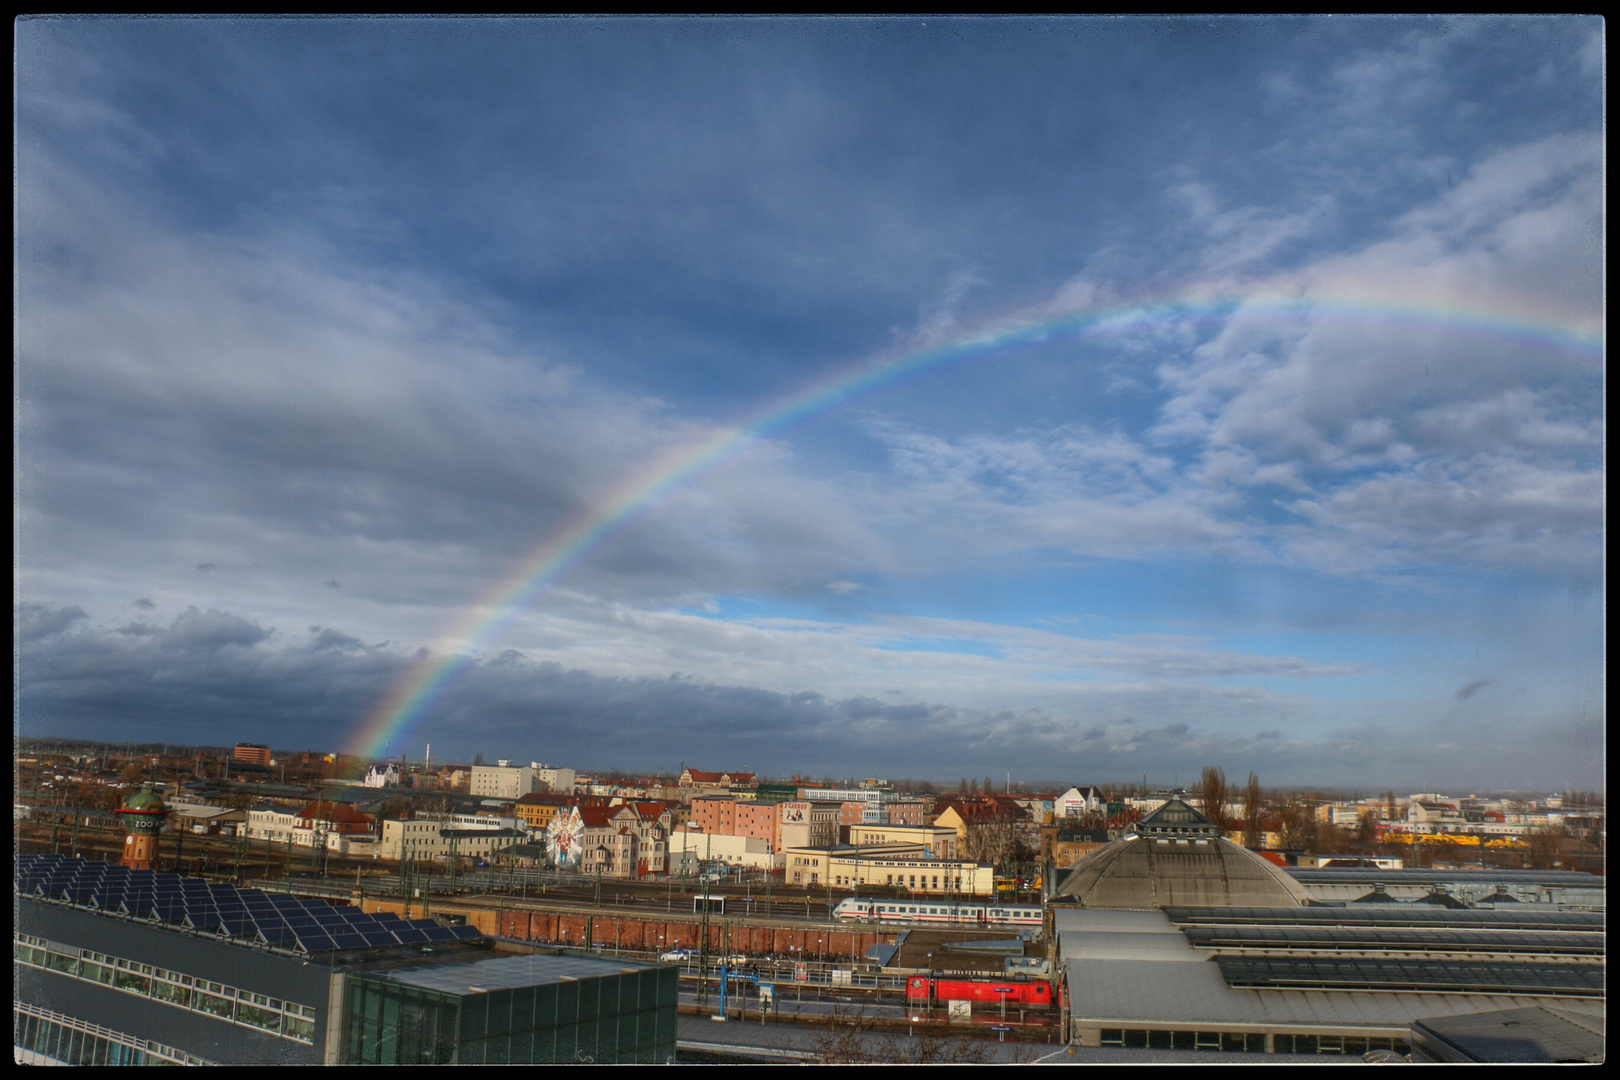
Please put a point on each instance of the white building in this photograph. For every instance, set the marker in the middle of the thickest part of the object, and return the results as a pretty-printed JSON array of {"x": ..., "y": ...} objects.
[
  {"x": 422, "y": 839},
  {"x": 808, "y": 824},
  {"x": 271, "y": 823},
  {"x": 689, "y": 848},
  {"x": 511, "y": 782},
  {"x": 382, "y": 776},
  {"x": 1077, "y": 802}
]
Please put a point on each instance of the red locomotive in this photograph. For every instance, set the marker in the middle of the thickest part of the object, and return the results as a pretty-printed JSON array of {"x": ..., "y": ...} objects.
[{"x": 1028, "y": 993}]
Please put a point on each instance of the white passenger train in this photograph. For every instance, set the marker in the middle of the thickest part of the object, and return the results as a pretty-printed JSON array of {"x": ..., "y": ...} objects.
[{"x": 959, "y": 912}]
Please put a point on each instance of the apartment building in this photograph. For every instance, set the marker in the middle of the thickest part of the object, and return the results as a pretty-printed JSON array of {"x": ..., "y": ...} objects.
[{"x": 727, "y": 815}]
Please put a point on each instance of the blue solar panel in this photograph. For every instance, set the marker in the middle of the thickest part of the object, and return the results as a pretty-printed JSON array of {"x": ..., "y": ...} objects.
[{"x": 272, "y": 919}]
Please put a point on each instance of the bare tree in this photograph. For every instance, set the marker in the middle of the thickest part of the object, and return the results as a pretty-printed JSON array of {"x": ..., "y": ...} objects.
[
  {"x": 1297, "y": 825},
  {"x": 851, "y": 1037},
  {"x": 1546, "y": 846},
  {"x": 1212, "y": 794},
  {"x": 1253, "y": 806}
]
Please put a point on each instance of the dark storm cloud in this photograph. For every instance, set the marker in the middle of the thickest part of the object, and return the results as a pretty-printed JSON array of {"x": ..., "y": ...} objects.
[
  {"x": 145, "y": 604},
  {"x": 211, "y": 677},
  {"x": 327, "y": 638},
  {"x": 210, "y": 630},
  {"x": 38, "y": 621}
]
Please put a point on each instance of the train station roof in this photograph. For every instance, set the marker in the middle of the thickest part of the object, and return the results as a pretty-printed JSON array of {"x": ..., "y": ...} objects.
[{"x": 1158, "y": 870}]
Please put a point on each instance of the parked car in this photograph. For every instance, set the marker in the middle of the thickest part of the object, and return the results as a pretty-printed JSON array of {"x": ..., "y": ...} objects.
[{"x": 676, "y": 956}]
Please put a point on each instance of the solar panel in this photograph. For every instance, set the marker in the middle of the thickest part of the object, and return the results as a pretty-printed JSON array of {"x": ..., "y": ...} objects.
[
  {"x": 275, "y": 935},
  {"x": 315, "y": 942},
  {"x": 238, "y": 925},
  {"x": 270, "y": 919}
]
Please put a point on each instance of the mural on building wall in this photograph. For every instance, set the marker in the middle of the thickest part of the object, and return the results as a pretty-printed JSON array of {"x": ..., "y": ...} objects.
[{"x": 565, "y": 839}]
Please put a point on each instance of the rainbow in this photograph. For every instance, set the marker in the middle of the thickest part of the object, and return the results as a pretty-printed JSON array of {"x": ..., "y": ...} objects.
[{"x": 428, "y": 676}]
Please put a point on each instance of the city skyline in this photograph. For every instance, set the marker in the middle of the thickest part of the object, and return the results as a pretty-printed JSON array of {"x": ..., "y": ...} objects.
[{"x": 1080, "y": 396}]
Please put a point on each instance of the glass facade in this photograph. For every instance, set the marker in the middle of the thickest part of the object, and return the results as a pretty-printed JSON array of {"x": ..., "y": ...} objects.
[
  {"x": 55, "y": 1037},
  {"x": 1250, "y": 1042},
  {"x": 287, "y": 1019},
  {"x": 622, "y": 1016}
]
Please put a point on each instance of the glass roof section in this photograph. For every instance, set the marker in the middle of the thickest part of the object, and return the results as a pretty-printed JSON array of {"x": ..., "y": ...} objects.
[
  {"x": 1388, "y": 915},
  {"x": 508, "y": 972},
  {"x": 1449, "y": 976}
]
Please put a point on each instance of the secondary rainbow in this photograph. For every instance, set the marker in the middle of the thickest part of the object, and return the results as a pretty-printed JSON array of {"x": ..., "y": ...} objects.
[{"x": 427, "y": 678}]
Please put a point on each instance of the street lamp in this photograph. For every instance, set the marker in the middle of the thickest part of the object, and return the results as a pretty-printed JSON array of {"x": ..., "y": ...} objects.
[{"x": 928, "y": 996}]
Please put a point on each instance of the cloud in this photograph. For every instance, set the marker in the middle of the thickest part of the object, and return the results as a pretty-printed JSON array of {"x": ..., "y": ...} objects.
[
  {"x": 35, "y": 621},
  {"x": 1472, "y": 688},
  {"x": 145, "y": 604},
  {"x": 212, "y": 630},
  {"x": 370, "y": 421},
  {"x": 1415, "y": 428},
  {"x": 329, "y": 638}
]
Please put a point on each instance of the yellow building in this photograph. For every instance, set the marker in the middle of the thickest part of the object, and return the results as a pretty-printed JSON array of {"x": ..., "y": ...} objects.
[
  {"x": 939, "y": 841},
  {"x": 904, "y": 867}
]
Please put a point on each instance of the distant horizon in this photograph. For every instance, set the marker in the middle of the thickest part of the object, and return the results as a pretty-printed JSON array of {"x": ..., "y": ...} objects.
[{"x": 1364, "y": 791}]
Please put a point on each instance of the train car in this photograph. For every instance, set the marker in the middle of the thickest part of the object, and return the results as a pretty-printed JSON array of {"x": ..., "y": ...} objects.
[
  {"x": 1036, "y": 993},
  {"x": 950, "y": 913}
]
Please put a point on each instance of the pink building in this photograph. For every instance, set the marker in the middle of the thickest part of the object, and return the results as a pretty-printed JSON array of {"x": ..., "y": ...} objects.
[{"x": 726, "y": 815}]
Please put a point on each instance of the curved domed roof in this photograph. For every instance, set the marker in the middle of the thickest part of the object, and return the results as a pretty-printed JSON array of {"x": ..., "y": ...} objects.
[
  {"x": 145, "y": 800},
  {"x": 1178, "y": 864}
]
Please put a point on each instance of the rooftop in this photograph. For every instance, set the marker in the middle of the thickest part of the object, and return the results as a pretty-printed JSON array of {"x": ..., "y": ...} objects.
[{"x": 505, "y": 972}]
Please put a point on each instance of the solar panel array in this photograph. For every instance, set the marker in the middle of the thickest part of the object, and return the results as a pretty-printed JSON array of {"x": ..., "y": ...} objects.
[
  {"x": 251, "y": 915},
  {"x": 1435, "y": 976},
  {"x": 1390, "y": 915},
  {"x": 1399, "y": 939}
]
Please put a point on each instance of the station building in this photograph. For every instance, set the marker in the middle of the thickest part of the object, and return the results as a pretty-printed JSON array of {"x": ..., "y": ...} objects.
[
  {"x": 119, "y": 966},
  {"x": 1174, "y": 937}
]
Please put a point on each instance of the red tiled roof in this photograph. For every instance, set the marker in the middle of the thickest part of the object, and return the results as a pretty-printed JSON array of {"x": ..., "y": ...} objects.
[
  {"x": 334, "y": 812},
  {"x": 700, "y": 777},
  {"x": 594, "y": 816},
  {"x": 548, "y": 800}
]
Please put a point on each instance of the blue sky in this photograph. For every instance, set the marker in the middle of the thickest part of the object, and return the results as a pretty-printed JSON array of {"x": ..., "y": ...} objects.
[{"x": 324, "y": 324}]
